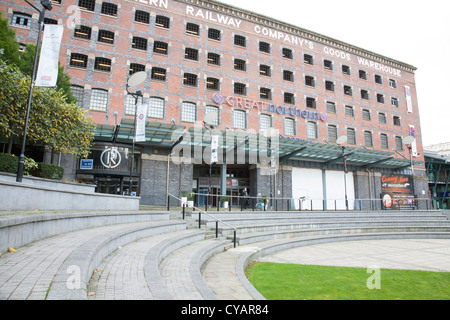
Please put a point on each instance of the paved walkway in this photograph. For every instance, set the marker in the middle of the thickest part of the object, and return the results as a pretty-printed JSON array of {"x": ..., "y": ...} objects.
[{"x": 414, "y": 254}]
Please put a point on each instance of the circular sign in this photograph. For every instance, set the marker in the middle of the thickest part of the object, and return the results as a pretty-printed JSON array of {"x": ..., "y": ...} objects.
[
  {"x": 141, "y": 116},
  {"x": 110, "y": 158},
  {"x": 324, "y": 117},
  {"x": 218, "y": 98}
]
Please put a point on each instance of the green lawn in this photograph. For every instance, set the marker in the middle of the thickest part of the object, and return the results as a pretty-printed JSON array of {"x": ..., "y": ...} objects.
[{"x": 298, "y": 282}]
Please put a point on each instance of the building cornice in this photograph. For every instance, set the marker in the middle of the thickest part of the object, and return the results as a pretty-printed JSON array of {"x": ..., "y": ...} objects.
[{"x": 297, "y": 31}]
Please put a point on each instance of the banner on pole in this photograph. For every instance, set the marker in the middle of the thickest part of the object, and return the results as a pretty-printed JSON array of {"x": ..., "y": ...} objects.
[
  {"x": 47, "y": 73},
  {"x": 214, "y": 147},
  {"x": 141, "y": 118}
]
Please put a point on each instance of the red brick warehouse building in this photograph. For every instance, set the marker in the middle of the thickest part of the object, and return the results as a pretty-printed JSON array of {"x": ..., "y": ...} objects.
[{"x": 257, "y": 73}]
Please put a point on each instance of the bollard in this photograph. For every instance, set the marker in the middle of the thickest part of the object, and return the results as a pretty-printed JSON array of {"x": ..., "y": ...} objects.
[{"x": 217, "y": 229}]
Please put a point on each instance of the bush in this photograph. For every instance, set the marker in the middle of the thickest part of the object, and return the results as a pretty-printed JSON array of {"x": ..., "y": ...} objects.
[
  {"x": 8, "y": 163},
  {"x": 48, "y": 171}
]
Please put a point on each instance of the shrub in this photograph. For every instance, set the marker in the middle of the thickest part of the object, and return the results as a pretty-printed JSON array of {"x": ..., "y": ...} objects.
[
  {"x": 8, "y": 163},
  {"x": 48, "y": 171}
]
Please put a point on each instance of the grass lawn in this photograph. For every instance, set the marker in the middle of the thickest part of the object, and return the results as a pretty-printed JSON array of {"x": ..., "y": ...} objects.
[{"x": 277, "y": 281}]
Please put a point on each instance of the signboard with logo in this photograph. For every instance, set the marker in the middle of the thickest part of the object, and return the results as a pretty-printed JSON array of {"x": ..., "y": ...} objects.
[{"x": 397, "y": 192}]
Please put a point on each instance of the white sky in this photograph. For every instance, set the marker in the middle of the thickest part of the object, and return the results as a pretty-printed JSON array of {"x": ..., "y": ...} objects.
[{"x": 416, "y": 32}]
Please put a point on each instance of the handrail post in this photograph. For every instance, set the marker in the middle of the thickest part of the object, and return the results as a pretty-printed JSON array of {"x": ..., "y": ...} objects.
[
  {"x": 217, "y": 229},
  {"x": 184, "y": 210},
  {"x": 168, "y": 202},
  {"x": 234, "y": 238},
  {"x": 200, "y": 219}
]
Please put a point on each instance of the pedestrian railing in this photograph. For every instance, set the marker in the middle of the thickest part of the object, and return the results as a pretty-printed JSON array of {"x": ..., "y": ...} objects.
[{"x": 200, "y": 212}]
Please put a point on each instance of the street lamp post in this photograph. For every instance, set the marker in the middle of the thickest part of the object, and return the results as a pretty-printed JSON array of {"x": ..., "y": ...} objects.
[
  {"x": 46, "y": 5},
  {"x": 340, "y": 141},
  {"x": 209, "y": 120},
  {"x": 135, "y": 80},
  {"x": 408, "y": 141}
]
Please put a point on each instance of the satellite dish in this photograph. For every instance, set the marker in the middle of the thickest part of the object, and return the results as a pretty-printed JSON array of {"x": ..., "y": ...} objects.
[
  {"x": 137, "y": 78},
  {"x": 341, "y": 140},
  {"x": 408, "y": 140},
  {"x": 270, "y": 132},
  {"x": 211, "y": 117}
]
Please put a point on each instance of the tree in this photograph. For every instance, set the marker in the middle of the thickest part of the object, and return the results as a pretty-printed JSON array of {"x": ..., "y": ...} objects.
[
  {"x": 9, "y": 48},
  {"x": 62, "y": 126}
]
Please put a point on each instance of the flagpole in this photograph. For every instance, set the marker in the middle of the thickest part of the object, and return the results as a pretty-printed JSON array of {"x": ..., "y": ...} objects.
[{"x": 46, "y": 6}]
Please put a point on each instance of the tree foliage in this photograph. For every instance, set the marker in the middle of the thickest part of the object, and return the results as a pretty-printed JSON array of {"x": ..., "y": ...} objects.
[{"x": 52, "y": 121}]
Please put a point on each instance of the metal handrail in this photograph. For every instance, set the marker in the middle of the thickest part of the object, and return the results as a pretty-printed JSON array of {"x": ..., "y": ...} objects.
[{"x": 200, "y": 218}]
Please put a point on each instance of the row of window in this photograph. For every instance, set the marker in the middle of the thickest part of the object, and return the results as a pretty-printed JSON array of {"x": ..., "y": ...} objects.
[
  {"x": 189, "y": 79},
  {"x": 189, "y": 113}
]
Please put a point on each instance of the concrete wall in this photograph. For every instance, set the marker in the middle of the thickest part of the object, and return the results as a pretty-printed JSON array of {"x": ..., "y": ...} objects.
[{"x": 46, "y": 195}]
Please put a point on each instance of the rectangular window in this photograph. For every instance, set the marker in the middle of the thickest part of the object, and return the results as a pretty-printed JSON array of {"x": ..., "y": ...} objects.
[
  {"x": 351, "y": 136},
  {"x": 159, "y": 74},
  {"x": 394, "y": 102},
  {"x": 348, "y": 91},
  {"x": 380, "y": 98},
  {"x": 346, "y": 70},
  {"x": 311, "y": 103},
  {"x": 331, "y": 107},
  {"x": 398, "y": 143},
  {"x": 329, "y": 85},
  {"x": 83, "y": 32},
  {"x": 191, "y": 54},
  {"x": 20, "y": 19},
  {"x": 265, "y": 94},
  {"x": 106, "y": 36},
  {"x": 240, "y": 88},
  {"x": 192, "y": 29},
  {"x": 213, "y": 84},
  {"x": 136, "y": 67},
  {"x": 378, "y": 79},
  {"x": 363, "y": 74},
  {"x": 78, "y": 93},
  {"x": 190, "y": 79},
  {"x": 349, "y": 111},
  {"x": 311, "y": 130},
  {"x": 130, "y": 104},
  {"x": 142, "y": 16},
  {"x": 88, "y": 5},
  {"x": 162, "y": 22},
  {"x": 392, "y": 83},
  {"x": 368, "y": 142},
  {"x": 139, "y": 43},
  {"x": 109, "y": 9},
  {"x": 289, "y": 127},
  {"x": 239, "y": 64},
  {"x": 365, "y": 94},
  {"x": 264, "y": 47},
  {"x": 214, "y": 58},
  {"x": 214, "y": 34},
  {"x": 332, "y": 133},
  {"x": 308, "y": 59},
  {"x": 239, "y": 119},
  {"x": 366, "y": 115},
  {"x": 240, "y": 41},
  {"x": 188, "y": 112},
  {"x": 309, "y": 81},
  {"x": 99, "y": 99},
  {"x": 288, "y": 75},
  {"x": 265, "y": 70},
  {"x": 384, "y": 141},
  {"x": 102, "y": 64},
  {"x": 160, "y": 47},
  {"x": 265, "y": 122},
  {"x": 78, "y": 60},
  {"x": 156, "y": 108},
  {"x": 382, "y": 118},
  {"x": 287, "y": 53},
  {"x": 397, "y": 121},
  {"x": 289, "y": 98},
  {"x": 215, "y": 109},
  {"x": 328, "y": 65}
]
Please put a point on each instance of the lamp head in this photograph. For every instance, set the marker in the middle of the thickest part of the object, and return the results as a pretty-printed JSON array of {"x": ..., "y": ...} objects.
[{"x": 47, "y": 4}]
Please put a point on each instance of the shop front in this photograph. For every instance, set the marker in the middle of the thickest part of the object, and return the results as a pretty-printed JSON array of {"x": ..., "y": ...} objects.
[{"x": 109, "y": 168}]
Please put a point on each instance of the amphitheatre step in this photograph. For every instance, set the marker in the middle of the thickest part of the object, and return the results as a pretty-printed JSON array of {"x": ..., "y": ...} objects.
[
  {"x": 17, "y": 230},
  {"x": 280, "y": 225},
  {"x": 40, "y": 269},
  {"x": 264, "y": 236}
]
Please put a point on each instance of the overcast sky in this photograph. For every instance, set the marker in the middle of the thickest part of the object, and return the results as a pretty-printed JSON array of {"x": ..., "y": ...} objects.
[{"x": 416, "y": 32}]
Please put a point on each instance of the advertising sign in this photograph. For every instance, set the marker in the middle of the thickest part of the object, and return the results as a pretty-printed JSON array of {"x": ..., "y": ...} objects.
[
  {"x": 47, "y": 73},
  {"x": 397, "y": 192}
]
